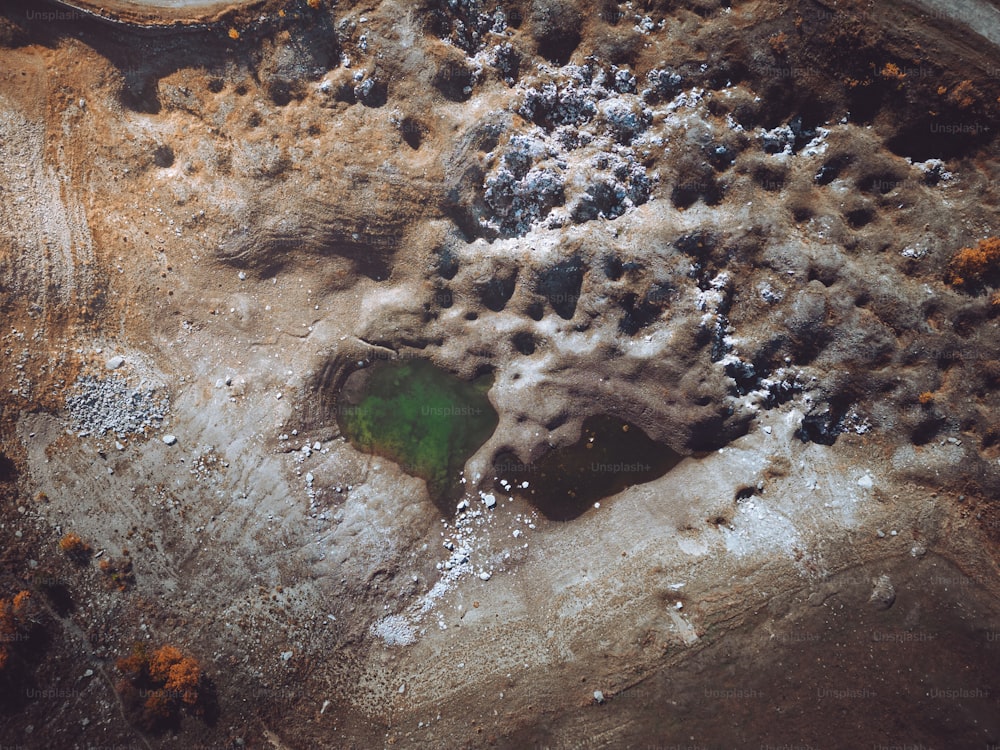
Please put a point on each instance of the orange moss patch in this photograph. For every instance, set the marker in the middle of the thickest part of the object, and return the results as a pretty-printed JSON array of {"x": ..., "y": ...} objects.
[
  {"x": 12, "y": 619},
  {"x": 926, "y": 398},
  {"x": 964, "y": 95},
  {"x": 892, "y": 71},
  {"x": 157, "y": 686},
  {"x": 75, "y": 548},
  {"x": 971, "y": 265},
  {"x": 779, "y": 43}
]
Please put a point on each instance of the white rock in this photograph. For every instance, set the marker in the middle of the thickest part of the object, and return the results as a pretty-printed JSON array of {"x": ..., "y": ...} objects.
[
  {"x": 119, "y": 446},
  {"x": 115, "y": 362},
  {"x": 866, "y": 482},
  {"x": 599, "y": 696},
  {"x": 169, "y": 439},
  {"x": 490, "y": 501},
  {"x": 309, "y": 478},
  {"x": 402, "y": 689},
  {"x": 484, "y": 576},
  {"x": 286, "y": 655}
]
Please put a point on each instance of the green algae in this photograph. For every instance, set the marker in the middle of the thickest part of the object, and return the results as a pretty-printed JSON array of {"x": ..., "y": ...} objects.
[{"x": 420, "y": 416}]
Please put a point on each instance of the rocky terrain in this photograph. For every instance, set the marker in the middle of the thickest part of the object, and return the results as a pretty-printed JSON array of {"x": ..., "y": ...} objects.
[{"x": 735, "y": 227}]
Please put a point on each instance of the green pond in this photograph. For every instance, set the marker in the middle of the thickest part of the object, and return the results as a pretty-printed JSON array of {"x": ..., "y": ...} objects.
[
  {"x": 610, "y": 456},
  {"x": 420, "y": 416}
]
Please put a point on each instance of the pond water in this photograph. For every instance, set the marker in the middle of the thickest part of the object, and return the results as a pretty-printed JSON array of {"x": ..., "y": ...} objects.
[
  {"x": 610, "y": 456},
  {"x": 420, "y": 416}
]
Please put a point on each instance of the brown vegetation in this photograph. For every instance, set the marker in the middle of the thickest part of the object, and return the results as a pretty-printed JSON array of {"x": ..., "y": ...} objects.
[
  {"x": 974, "y": 265},
  {"x": 75, "y": 548},
  {"x": 12, "y": 621},
  {"x": 158, "y": 685},
  {"x": 118, "y": 573}
]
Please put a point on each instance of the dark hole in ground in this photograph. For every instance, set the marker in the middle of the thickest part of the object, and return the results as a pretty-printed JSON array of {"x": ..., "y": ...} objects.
[
  {"x": 447, "y": 263},
  {"x": 280, "y": 93},
  {"x": 832, "y": 168},
  {"x": 639, "y": 313},
  {"x": 610, "y": 456},
  {"x": 524, "y": 343},
  {"x": 535, "y": 311},
  {"x": 945, "y": 139},
  {"x": 558, "y": 42},
  {"x": 163, "y": 156},
  {"x": 926, "y": 430},
  {"x": 60, "y": 598},
  {"x": 860, "y": 217},
  {"x": 561, "y": 285},
  {"x": 454, "y": 82},
  {"x": 412, "y": 132},
  {"x": 819, "y": 428},
  {"x": 8, "y": 471},
  {"x": 496, "y": 292}
]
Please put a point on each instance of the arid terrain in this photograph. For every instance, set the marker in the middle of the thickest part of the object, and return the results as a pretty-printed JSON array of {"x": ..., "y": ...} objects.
[{"x": 758, "y": 233}]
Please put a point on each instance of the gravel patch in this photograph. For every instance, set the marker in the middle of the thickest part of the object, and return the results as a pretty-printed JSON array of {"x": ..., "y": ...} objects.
[{"x": 110, "y": 404}]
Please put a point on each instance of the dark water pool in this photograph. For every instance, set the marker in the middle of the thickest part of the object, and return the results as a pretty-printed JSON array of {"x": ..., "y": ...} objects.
[{"x": 610, "y": 456}]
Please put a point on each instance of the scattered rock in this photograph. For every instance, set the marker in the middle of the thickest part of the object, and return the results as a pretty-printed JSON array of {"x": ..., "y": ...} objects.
[
  {"x": 169, "y": 439},
  {"x": 110, "y": 405},
  {"x": 598, "y": 696},
  {"x": 883, "y": 593},
  {"x": 115, "y": 362}
]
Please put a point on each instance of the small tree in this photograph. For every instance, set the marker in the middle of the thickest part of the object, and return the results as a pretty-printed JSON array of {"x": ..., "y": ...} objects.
[
  {"x": 75, "y": 548},
  {"x": 973, "y": 266},
  {"x": 158, "y": 685}
]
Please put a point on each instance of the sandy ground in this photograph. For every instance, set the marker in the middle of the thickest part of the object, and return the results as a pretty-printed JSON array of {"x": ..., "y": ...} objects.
[{"x": 244, "y": 221}]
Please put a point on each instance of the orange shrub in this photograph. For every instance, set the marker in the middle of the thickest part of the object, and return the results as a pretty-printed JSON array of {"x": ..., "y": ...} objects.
[
  {"x": 133, "y": 665},
  {"x": 964, "y": 95},
  {"x": 926, "y": 397},
  {"x": 75, "y": 548},
  {"x": 778, "y": 43},
  {"x": 162, "y": 661},
  {"x": 892, "y": 71},
  {"x": 167, "y": 680},
  {"x": 12, "y": 619},
  {"x": 971, "y": 265}
]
